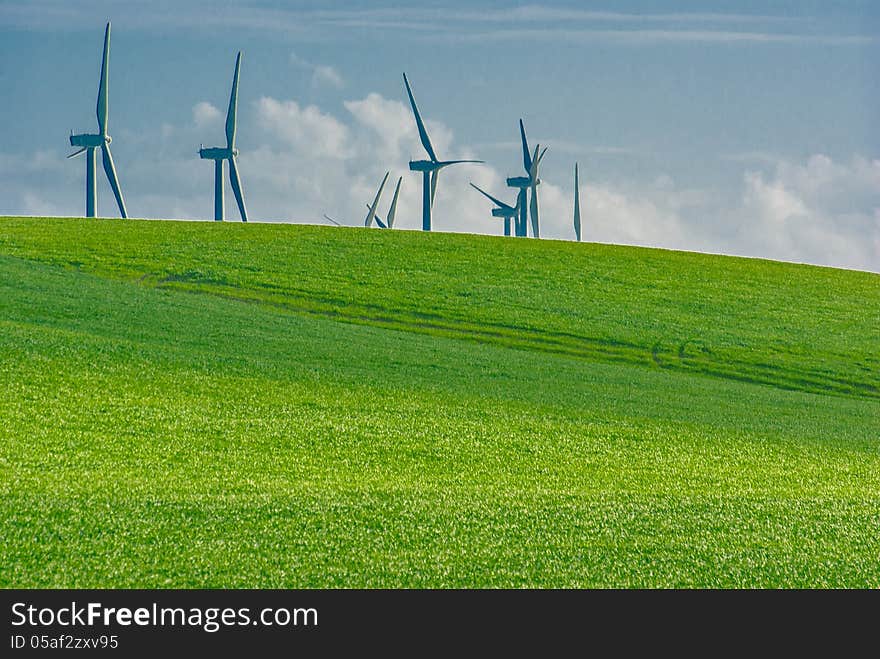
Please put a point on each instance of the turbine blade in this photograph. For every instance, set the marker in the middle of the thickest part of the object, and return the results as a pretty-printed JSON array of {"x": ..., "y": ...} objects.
[
  {"x": 393, "y": 210},
  {"x": 541, "y": 157},
  {"x": 434, "y": 176},
  {"x": 577, "y": 206},
  {"x": 423, "y": 134},
  {"x": 497, "y": 202},
  {"x": 102, "y": 108},
  {"x": 76, "y": 153},
  {"x": 235, "y": 180},
  {"x": 533, "y": 175},
  {"x": 371, "y": 213},
  {"x": 534, "y": 212},
  {"x": 233, "y": 106},
  {"x": 533, "y": 168},
  {"x": 378, "y": 218},
  {"x": 110, "y": 170},
  {"x": 446, "y": 163},
  {"x": 527, "y": 159},
  {"x": 330, "y": 219}
]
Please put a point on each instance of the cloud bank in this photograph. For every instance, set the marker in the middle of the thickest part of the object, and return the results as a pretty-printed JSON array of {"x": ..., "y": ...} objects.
[{"x": 301, "y": 161}]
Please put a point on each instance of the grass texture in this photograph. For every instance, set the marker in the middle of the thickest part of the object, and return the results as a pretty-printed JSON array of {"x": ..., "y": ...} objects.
[{"x": 224, "y": 405}]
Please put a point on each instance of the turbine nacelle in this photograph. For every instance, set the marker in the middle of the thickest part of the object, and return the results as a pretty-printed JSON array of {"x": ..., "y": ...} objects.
[
  {"x": 502, "y": 210},
  {"x": 435, "y": 165},
  {"x": 217, "y": 153},
  {"x": 423, "y": 165},
  {"x": 87, "y": 140},
  {"x": 521, "y": 182}
]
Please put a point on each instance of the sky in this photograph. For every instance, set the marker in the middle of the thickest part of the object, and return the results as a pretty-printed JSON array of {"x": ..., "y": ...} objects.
[{"x": 737, "y": 127}]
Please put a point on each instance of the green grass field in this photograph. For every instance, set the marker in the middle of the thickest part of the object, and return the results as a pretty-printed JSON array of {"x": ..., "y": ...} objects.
[{"x": 227, "y": 405}]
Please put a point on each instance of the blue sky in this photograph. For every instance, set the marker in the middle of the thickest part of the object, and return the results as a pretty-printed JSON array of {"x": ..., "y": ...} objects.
[{"x": 735, "y": 127}]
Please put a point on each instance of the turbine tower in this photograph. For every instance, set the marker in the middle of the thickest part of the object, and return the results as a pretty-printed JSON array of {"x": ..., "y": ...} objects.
[
  {"x": 218, "y": 154},
  {"x": 577, "y": 206},
  {"x": 89, "y": 142},
  {"x": 430, "y": 168},
  {"x": 506, "y": 211},
  {"x": 523, "y": 183}
]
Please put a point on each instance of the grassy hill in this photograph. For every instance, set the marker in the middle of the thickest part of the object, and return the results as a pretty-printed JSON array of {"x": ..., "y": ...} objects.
[{"x": 228, "y": 405}]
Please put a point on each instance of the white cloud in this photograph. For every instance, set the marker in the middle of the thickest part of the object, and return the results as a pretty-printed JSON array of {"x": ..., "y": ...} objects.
[
  {"x": 205, "y": 115},
  {"x": 610, "y": 215},
  {"x": 820, "y": 211},
  {"x": 42, "y": 160},
  {"x": 771, "y": 202},
  {"x": 310, "y": 163},
  {"x": 327, "y": 75},
  {"x": 390, "y": 119},
  {"x": 305, "y": 129},
  {"x": 322, "y": 74},
  {"x": 33, "y": 204}
]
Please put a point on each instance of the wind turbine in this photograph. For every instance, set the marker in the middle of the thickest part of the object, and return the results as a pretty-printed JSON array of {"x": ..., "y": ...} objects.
[
  {"x": 577, "y": 206},
  {"x": 523, "y": 183},
  {"x": 392, "y": 211},
  {"x": 218, "y": 154},
  {"x": 506, "y": 211},
  {"x": 430, "y": 168},
  {"x": 89, "y": 142}
]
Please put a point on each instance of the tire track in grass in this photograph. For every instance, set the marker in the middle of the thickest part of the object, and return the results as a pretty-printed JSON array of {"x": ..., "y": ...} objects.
[{"x": 691, "y": 355}]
